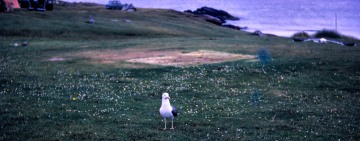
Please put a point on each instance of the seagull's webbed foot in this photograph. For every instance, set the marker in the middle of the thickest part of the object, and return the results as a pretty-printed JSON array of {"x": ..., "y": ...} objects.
[
  {"x": 172, "y": 125},
  {"x": 165, "y": 124}
]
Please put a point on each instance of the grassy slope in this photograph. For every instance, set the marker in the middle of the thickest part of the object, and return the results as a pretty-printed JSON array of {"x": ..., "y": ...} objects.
[
  {"x": 309, "y": 91},
  {"x": 69, "y": 21}
]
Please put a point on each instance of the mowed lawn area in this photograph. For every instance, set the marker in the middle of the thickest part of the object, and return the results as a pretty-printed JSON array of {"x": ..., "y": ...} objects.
[{"x": 79, "y": 81}]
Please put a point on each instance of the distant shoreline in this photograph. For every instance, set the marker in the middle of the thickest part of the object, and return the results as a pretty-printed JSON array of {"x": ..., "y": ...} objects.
[{"x": 285, "y": 31}]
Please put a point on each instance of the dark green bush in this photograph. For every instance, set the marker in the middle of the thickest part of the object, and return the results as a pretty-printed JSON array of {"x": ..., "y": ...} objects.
[
  {"x": 302, "y": 34},
  {"x": 325, "y": 33}
]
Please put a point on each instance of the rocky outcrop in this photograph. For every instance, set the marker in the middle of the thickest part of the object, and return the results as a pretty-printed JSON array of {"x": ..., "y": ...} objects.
[
  {"x": 323, "y": 41},
  {"x": 219, "y": 14},
  {"x": 257, "y": 33},
  {"x": 234, "y": 27},
  {"x": 212, "y": 19},
  {"x": 128, "y": 7},
  {"x": 216, "y": 16}
]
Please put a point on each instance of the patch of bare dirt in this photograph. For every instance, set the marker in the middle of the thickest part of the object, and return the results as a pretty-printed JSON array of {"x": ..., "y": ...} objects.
[
  {"x": 159, "y": 57},
  {"x": 191, "y": 58}
]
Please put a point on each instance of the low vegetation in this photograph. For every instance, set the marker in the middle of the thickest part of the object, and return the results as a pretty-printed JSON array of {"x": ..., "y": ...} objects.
[
  {"x": 297, "y": 91},
  {"x": 327, "y": 34},
  {"x": 301, "y": 35}
]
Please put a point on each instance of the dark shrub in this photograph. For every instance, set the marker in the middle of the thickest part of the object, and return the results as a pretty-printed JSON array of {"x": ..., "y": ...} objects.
[
  {"x": 327, "y": 34},
  {"x": 301, "y": 35}
]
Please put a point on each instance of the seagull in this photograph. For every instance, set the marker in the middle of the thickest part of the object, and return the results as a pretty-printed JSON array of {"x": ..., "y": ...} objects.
[{"x": 166, "y": 110}]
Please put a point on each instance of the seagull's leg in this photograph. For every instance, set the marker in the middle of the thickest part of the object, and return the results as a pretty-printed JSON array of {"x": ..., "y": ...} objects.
[
  {"x": 172, "y": 123},
  {"x": 165, "y": 123}
]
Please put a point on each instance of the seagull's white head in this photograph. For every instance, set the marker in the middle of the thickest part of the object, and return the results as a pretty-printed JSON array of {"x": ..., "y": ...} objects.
[{"x": 165, "y": 96}]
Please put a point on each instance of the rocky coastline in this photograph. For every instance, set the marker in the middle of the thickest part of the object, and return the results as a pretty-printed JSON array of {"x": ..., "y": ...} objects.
[{"x": 216, "y": 16}]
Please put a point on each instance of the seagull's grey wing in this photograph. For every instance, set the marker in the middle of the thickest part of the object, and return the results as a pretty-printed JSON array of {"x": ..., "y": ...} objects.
[{"x": 174, "y": 111}]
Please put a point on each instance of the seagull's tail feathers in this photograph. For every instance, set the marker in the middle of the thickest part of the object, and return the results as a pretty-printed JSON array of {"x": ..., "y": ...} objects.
[{"x": 174, "y": 111}]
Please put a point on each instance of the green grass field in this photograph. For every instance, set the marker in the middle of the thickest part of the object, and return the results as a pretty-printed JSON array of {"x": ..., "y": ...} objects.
[{"x": 308, "y": 91}]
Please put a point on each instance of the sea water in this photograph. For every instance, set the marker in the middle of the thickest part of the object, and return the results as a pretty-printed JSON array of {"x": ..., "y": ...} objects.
[{"x": 279, "y": 17}]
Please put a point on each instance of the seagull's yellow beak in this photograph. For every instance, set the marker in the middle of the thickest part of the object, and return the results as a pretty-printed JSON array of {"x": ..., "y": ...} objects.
[{"x": 168, "y": 97}]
